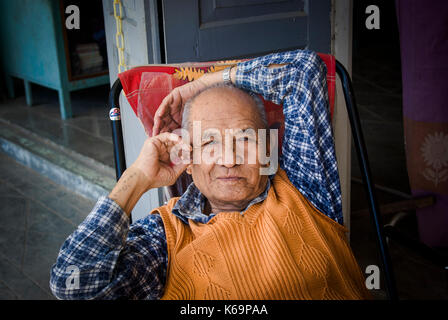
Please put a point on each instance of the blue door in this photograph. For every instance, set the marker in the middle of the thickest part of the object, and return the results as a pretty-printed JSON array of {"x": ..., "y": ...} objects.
[{"x": 205, "y": 30}]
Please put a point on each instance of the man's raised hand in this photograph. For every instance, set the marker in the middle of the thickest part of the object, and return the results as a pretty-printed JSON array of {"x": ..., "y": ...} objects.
[
  {"x": 168, "y": 116},
  {"x": 160, "y": 159},
  {"x": 159, "y": 164}
]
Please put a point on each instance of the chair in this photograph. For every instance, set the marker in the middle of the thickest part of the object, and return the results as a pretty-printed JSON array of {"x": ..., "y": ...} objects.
[{"x": 130, "y": 80}]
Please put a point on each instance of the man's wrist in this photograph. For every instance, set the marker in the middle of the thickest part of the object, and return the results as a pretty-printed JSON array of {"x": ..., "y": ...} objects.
[
  {"x": 217, "y": 77},
  {"x": 231, "y": 75},
  {"x": 226, "y": 75},
  {"x": 144, "y": 183}
]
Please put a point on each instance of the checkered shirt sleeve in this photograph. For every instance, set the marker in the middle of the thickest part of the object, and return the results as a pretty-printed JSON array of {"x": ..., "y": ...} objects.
[
  {"x": 114, "y": 259},
  {"x": 308, "y": 153}
]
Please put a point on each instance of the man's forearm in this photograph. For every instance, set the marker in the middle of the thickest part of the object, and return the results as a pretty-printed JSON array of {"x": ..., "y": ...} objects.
[
  {"x": 97, "y": 241},
  {"x": 129, "y": 189},
  {"x": 216, "y": 77}
]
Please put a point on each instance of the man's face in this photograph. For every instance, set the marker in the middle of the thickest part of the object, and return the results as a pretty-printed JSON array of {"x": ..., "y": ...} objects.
[{"x": 220, "y": 176}]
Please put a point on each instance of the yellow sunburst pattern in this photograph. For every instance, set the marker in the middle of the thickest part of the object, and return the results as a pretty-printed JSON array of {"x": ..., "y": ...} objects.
[
  {"x": 192, "y": 73},
  {"x": 188, "y": 73}
]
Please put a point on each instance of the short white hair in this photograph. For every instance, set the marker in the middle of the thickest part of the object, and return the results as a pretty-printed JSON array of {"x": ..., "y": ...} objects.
[{"x": 257, "y": 100}]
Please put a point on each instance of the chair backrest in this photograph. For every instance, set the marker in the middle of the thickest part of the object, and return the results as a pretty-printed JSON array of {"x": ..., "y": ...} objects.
[{"x": 146, "y": 86}]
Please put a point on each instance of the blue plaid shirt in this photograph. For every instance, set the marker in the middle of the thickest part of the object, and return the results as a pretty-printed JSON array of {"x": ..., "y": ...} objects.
[{"x": 118, "y": 260}]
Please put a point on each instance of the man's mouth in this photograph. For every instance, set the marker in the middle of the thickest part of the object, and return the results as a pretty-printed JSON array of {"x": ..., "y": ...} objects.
[{"x": 230, "y": 178}]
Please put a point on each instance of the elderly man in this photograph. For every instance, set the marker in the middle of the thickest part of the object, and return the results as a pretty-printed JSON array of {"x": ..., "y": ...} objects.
[{"x": 235, "y": 233}]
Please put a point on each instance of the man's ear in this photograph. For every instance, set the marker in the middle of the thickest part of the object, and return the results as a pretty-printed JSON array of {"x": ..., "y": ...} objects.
[{"x": 188, "y": 170}]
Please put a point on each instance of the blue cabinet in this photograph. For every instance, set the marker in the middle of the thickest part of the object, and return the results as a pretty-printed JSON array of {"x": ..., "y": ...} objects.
[{"x": 34, "y": 48}]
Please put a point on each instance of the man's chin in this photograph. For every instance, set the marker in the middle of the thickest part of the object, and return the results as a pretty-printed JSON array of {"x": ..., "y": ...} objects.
[{"x": 232, "y": 197}]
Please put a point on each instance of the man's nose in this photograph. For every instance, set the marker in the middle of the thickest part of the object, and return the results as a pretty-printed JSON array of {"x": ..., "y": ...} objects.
[{"x": 228, "y": 158}]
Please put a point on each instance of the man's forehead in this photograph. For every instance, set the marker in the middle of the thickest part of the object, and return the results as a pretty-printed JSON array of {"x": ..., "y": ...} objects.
[
  {"x": 244, "y": 127},
  {"x": 222, "y": 98},
  {"x": 209, "y": 124},
  {"x": 222, "y": 119},
  {"x": 225, "y": 108},
  {"x": 223, "y": 91}
]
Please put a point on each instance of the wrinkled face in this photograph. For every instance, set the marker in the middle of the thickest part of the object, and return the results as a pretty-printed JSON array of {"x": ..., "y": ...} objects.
[{"x": 227, "y": 173}]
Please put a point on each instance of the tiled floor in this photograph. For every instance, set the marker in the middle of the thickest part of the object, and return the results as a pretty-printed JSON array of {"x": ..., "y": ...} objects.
[
  {"x": 36, "y": 216},
  {"x": 87, "y": 133}
]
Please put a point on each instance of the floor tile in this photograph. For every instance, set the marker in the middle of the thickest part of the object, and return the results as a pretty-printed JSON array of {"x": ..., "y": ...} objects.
[
  {"x": 13, "y": 226},
  {"x": 20, "y": 283},
  {"x": 6, "y": 293},
  {"x": 87, "y": 133},
  {"x": 40, "y": 255},
  {"x": 44, "y": 221},
  {"x": 36, "y": 217}
]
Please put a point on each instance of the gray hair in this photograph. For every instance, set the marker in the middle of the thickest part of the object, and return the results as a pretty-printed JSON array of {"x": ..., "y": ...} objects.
[{"x": 257, "y": 100}]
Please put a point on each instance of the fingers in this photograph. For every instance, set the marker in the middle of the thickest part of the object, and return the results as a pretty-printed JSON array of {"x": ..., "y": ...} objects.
[
  {"x": 172, "y": 148},
  {"x": 178, "y": 153},
  {"x": 163, "y": 108},
  {"x": 158, "y": 120},
  {"x": 160, "y": 113},
  {"x": 168, "y": 137},
  {"x": 156, "y": 127},
  {"x": 164, "y": 130},
  {"x": 178, "y": 169},
  {"x": 169, "y": 113}
]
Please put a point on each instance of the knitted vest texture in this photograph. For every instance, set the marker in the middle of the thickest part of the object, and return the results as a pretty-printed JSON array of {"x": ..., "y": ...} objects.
[{"x": 281, "y": 248}]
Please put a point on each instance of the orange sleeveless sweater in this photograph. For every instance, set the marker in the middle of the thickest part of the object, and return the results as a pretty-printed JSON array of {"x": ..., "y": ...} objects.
[{"x": 281, "y": 248}]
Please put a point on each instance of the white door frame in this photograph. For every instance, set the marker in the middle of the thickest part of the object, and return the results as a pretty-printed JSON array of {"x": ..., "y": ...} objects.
[{"x": 341, "y": 48}]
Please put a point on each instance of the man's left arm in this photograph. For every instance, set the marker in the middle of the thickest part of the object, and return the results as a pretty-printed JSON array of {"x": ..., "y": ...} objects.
[{"x": 297, "y": 80}]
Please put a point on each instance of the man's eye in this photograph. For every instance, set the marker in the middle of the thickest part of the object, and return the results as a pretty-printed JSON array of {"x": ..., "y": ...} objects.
[
  {"x": 210, "y": 142},
  {"x": 250, "y": 139}
]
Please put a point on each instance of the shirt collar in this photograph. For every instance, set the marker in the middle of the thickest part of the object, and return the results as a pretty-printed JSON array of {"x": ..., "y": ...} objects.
[{"x": 191, "y": 204}]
